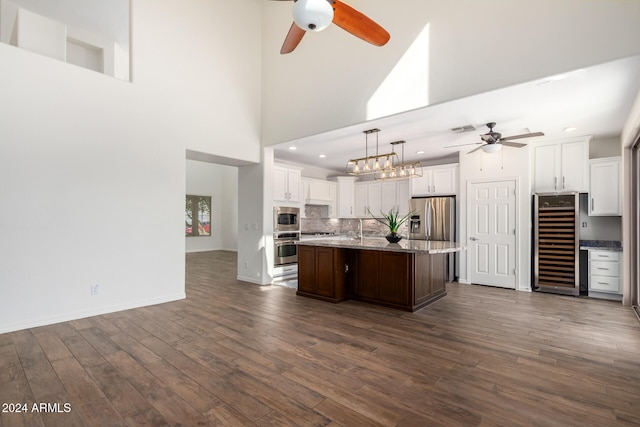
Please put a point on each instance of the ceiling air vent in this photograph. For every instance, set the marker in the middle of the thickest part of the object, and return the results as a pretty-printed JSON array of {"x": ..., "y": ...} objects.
[{"x": 463, "y": 129}]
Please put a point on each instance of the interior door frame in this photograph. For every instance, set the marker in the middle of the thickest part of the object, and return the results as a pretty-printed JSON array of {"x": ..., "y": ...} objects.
[{"x": 469, "y": 185}]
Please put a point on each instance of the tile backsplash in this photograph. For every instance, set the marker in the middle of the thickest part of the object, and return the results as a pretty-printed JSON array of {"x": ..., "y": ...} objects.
[{"x": 314, "y": 222}]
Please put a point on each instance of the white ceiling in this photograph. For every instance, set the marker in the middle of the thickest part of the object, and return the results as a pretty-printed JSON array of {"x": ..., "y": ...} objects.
[{"x": 595, "y": 100}]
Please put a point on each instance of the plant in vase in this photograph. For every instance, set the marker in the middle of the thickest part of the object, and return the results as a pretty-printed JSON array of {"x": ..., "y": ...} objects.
[{"x": 392, "y": 221}]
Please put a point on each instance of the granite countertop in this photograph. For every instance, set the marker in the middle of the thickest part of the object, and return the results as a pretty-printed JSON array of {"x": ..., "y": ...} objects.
[
  {"x": 380, "y": 244},
  {"x": 601, "y": 245}
]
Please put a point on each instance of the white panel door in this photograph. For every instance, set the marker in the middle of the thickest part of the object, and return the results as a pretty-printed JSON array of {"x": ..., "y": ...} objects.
[{"x": 492, "y": 239}]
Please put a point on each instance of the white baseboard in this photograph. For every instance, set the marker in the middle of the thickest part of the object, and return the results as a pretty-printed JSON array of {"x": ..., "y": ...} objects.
[
  {"x": 84, "y": 314},
  {"x": 251, "y": 280}
]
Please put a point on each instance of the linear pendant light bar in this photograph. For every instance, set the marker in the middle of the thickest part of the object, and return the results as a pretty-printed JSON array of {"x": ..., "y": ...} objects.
[
  {"x": 400, "y": 170},
  {"x": 370, "y": 164}
]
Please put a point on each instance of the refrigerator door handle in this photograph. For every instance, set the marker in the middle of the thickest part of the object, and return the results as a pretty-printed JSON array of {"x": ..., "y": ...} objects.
[{"x": 427, "y": 217}]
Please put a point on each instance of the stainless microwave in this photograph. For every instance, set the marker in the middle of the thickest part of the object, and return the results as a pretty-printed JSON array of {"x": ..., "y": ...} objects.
[{"x": 286, "y": 218}]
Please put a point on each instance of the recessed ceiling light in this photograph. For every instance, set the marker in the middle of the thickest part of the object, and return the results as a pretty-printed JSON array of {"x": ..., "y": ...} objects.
[
  {"x": 322, "y": 156},
  {"x": 420, "y": 152},
  {"x": 293, "y": 148},
  {"x": 570, "y": 129}
]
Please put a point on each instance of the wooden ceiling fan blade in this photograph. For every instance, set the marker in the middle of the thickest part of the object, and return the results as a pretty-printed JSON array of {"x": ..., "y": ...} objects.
[
  {"x": 476, "y": 149},
  {"x": 513, "y": 144},
  {"x": 292, "y": 40},
  {"x": 358, "y": 24},
  {"x": 524, "y": 135}
]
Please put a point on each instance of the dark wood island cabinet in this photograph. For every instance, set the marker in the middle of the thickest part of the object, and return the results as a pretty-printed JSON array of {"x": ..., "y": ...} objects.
[
  {"x": 323, "y": 276},
  {"x": 405, "y": 276}
]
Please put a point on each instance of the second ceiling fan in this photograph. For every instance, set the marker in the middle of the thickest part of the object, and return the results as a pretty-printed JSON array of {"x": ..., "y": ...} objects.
[
  {"x": 492, "y": 140},
  {"x": 316, "y": 15}
]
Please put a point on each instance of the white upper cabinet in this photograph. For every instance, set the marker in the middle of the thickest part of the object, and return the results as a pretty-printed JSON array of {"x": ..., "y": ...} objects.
[
  {"x": 388, "y": 196},
  {"x": 403, "y": 195},
  {"x": 346, "y": 197},
  {"x": 436, "y": 181},
  {"x": 562, "y": 166},
  {"x": 380, "y": 197},
  {"x": 361, "y": 199},
  {"x": 287, "y": 184},
  {"x": 605, "y": 198}
]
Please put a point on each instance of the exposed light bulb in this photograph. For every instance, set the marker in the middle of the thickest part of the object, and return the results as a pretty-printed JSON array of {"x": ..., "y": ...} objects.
[
  {"x": 387, "y": 163},
  {"x": 403, "y": 172},
  {"x": 376, "y": 166},
  {"x": 356, "y": 168},
  {"x": 366, "y": 168}
]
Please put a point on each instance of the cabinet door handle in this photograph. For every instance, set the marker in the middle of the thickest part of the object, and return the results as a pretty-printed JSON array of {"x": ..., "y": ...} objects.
[
  {"x": 592, "y": 204},
  {"x": 563, "y": 182},
  {"x": 555, "y": 182},
  {"x": 602, "y": 268}
]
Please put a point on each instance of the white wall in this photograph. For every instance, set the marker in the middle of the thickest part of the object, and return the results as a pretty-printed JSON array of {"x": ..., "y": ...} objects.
[
  {"x": 255, "y": 220},
  {"x": 327, "y": 82},
  {"x": 229, "y": 229},
  {"x": 92, "y": 169},
  {"x": 217, "y": 181}
]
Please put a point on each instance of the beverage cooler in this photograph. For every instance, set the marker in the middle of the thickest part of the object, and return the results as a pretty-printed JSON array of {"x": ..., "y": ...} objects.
[{"x": 556, "y": 243}]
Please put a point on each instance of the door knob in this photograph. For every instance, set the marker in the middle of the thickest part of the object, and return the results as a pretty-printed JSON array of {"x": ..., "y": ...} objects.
[{"x": 473, "y": 239}]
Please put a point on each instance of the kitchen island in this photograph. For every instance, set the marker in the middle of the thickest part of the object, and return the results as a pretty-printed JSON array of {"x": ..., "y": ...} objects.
[{"x": 407, "y": 275}]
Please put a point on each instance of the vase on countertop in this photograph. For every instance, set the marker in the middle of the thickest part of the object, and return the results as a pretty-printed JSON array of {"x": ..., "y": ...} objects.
[{"x": 393, "y": 237}]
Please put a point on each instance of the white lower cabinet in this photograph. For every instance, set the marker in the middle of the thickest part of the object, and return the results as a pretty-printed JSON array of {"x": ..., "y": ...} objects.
[{"x": 604, "y": 274}]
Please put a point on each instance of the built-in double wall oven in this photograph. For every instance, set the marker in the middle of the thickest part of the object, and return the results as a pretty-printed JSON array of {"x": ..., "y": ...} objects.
[
  {"x": 285, "y": 248},
  {"x": 286, "y": 233}
]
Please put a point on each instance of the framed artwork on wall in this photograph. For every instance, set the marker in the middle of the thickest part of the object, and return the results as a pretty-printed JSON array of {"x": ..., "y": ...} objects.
[{"x": 197, "y": 216}]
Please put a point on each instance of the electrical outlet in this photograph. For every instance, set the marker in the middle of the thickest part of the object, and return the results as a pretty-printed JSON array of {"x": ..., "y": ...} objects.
[
  {"x": 95, "y": 289},
  {"x": 584, "y": 225}
]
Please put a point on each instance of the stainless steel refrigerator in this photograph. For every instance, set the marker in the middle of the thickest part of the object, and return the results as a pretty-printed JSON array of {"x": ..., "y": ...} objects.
[{"x": 434, "y": 218}]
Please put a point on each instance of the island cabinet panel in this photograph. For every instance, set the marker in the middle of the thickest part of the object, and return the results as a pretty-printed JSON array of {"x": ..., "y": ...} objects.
[
  {"x": 383, "y": 277},
  {"x": 393, "y": 279},
  {"x": 366, "y": 280},
  {"x": 321, "y": 273},
  {"x": 429, "y": 277},
  {"x": 325, "y": 272},
  {"x": 306, "y": 269}
]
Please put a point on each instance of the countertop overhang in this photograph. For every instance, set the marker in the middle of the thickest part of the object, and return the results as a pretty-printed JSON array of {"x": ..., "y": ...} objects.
[{"x": 381, "y": 244}]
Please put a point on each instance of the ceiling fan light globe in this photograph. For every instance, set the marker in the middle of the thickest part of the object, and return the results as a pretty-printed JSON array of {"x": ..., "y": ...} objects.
[
  {"x": 492, "y": 148},
  {"x": 312, "y": 15}
]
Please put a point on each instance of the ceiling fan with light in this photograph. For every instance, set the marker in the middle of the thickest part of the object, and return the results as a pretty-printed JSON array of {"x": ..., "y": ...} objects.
[
  {"x": 493, "y": 141},
  {"x": 316, "y": 15}
]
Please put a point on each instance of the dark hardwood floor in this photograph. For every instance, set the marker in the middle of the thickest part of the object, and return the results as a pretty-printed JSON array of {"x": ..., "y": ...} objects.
[{"x": 237, "y": 354}]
